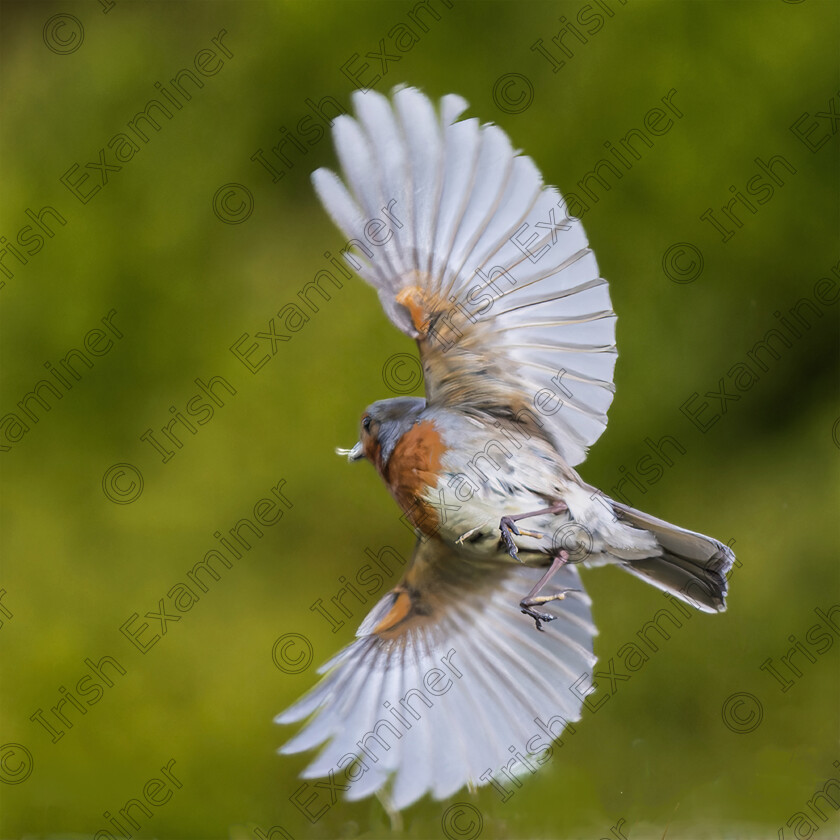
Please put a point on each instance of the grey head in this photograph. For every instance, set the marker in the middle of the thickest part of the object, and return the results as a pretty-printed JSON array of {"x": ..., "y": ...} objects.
[{"x": 382, "y": 425}]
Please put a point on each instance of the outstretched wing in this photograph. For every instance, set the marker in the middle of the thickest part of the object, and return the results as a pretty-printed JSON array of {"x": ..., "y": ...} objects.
[
  {"x": 478, "y": 261},
  {"x": 444, "y": 678}
]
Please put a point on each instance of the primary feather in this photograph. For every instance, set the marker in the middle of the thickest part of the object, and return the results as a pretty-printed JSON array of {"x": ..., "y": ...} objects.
[{"x": 482, "y": 266}]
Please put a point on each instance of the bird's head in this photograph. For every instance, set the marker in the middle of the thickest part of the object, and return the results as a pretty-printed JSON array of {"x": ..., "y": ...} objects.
[{"x": 383, "y": 423}]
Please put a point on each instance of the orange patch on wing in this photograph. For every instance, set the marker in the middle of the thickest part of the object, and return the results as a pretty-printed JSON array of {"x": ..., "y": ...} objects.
[
  {"x": 412, "y": 298},
  {"x": 400, "y": 609}
]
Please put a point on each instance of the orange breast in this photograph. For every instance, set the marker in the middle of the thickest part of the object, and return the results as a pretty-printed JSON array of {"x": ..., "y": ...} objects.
[{"x": 414, "y": 466}]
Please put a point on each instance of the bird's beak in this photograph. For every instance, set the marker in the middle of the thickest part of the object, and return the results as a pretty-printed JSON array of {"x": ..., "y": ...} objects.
[{"x": 354, "y": 454}]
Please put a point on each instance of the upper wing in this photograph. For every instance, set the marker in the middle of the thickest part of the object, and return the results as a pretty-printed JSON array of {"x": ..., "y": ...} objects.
[
  {"x": 478, "y": 261},
  {"x": 444, "y": 678}
]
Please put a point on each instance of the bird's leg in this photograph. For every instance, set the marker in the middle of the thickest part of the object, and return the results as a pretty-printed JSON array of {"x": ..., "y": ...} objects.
[
  {"x": 533, "y": 598},
  {"x": 507, "y": 526}
]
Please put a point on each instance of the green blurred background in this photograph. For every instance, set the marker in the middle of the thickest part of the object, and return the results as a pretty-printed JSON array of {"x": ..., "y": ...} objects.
[{"x": 186, "y": 286}]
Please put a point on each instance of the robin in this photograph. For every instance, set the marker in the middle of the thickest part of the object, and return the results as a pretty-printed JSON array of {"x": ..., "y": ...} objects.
[{"x": 472, "y": 256}]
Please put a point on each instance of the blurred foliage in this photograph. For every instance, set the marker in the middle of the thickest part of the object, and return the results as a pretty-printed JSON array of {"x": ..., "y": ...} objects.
[{"x": 186, "y": 286}]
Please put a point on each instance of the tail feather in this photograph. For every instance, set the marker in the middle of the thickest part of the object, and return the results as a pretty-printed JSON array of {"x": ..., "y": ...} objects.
[{"x": 692, "y": 566}]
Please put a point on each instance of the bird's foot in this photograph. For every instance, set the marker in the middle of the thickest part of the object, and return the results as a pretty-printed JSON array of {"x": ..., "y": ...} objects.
[
  {"x": 529, "y": 602},
  {"x": 507, "y": 526},
  {"x": 539, "y": 617}
]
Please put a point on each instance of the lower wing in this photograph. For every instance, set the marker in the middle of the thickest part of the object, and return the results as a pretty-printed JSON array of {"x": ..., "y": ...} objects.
[{"x": 446, "y": 684}]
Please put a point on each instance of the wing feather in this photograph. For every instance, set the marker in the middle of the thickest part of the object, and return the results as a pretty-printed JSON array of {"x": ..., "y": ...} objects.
[
  {"x": 423, "y": 137},
  {"x": 481, "y": 265},
  {"x": 430, "y": 697}
]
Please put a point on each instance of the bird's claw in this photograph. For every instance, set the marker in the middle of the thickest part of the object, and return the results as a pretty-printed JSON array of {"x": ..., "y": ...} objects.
[
  {"x": 539, "y": 617},
  {"x": 508, "y": 526}
]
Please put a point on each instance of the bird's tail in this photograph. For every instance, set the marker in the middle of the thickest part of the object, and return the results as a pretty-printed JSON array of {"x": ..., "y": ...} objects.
[{"x": 693, "y": 567}]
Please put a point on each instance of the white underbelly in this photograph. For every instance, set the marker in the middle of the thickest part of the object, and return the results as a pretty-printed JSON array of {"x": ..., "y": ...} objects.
[{"x": 469, "y": 517}]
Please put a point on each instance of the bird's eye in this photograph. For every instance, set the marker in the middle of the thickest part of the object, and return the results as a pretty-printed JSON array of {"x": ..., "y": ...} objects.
[{"x": 366, "y": 424}]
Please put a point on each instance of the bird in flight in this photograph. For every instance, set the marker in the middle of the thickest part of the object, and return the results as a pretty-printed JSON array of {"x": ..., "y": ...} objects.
[{"x": 447, "y": 683}]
